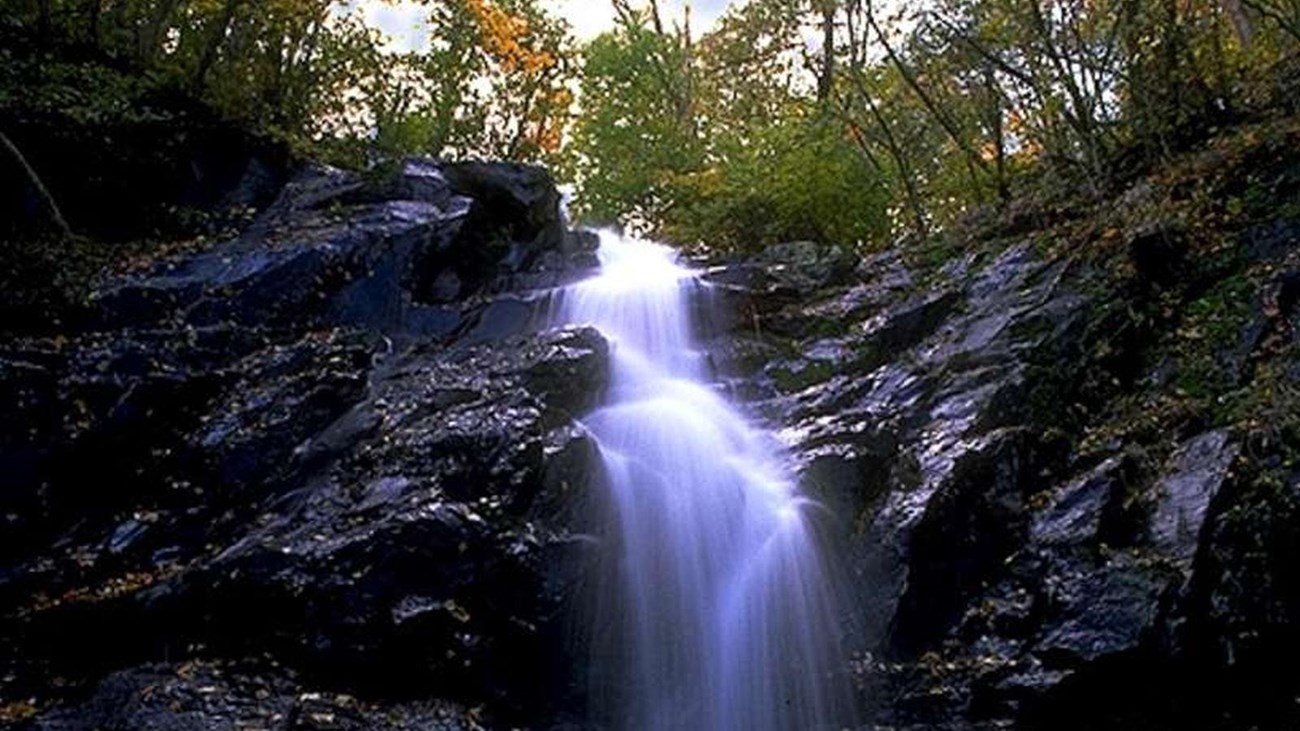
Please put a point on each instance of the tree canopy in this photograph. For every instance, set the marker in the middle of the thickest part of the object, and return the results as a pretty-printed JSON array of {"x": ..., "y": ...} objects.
[{"x": 850, "y": 121}]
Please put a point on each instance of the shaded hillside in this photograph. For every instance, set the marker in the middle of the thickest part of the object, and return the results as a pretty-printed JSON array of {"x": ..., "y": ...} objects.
[{"x": 1063, "y": 446}]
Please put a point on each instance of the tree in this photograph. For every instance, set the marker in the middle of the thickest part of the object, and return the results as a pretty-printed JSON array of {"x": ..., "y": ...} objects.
[
  {"x": 37, "y": 186},
  {"x": 637, "y": 133},
  {"x": 718, "y": 142},
  {"x": 494, "y": 83}
]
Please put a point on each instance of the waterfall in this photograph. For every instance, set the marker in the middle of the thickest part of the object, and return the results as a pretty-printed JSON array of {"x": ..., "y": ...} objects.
[{"x": 715, "y": 612}]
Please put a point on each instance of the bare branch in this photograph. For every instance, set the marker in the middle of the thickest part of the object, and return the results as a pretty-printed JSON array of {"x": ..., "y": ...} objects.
[{"x": 56, "y": 216}]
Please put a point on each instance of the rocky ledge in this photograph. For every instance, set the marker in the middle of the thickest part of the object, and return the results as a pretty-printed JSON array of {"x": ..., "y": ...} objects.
[
  {"x": 336, "y": 455},
  {"x": 1040, "y": 525}
]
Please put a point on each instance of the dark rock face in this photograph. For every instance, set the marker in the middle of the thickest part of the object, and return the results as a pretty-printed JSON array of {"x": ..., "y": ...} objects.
[
  {"x": 411, "y": 254},
  {"x": 342, "y": 443},
  {"x": 407, "y": 562},
  {"x": 205, "y": 696},
  {"x": 1000, "y": 576}
]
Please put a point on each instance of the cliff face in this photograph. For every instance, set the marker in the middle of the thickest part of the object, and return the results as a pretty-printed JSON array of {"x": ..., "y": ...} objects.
[
  {"x": 328, "y": 474},
  {"x": 338, "y": 448},
  {"x": 1001, "y": 569},
  {"x": 1062, "y": 462}
]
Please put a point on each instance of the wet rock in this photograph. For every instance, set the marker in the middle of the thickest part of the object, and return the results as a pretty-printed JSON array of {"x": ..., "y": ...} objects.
[
  {"x": 284, "y": 447},
  {"x": 989, "y": 586},
  {"x": 314, "y": 266},
  {"x": 571, "y": 499},
  {"x": 1243, "y": 617},
  {"x": 804, "y": 266},
  {"x": 313, "y": 188},
  {"x": 409, "y": 559},
  {"x": 104, "y": 411},
  {"x": 866, "y": 344},
  {"x": 568, "y": 371},
  {"x": 338, "y": 250},
  {"x": 580, "y": 242},
  {"x": 936, "y": 543},
  {"x": 785, "y": 272},
  {"x": 524, "y": 195},
  {"x": 419, "y": 179},
  {"x": 1108, "y": 576},
  {"x": 377, "y": 476},
  {"x": 229, "y": 696},
  {"x": 902, "y": 326},
  {"x": 220, "y": 411},
  {"x": 502, "y": 317},
  {"x": 1101, "y": 610},
  {"x": 1091, "y": 512},
  {"x": 1192, "y": 481},
  {"x": 284, "y": 395}
]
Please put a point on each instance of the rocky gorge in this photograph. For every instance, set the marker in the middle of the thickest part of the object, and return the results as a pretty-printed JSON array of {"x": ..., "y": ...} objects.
[{"x": 331, "y": 474}]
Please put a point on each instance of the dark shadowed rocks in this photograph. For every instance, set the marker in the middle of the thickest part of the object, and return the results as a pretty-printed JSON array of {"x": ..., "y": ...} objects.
[
  {"x": 343, "y": 444},
  {"x": 201, "y": 696},
  {"x": 998, "y": 578},
  {"x": 411, "y": 252}
]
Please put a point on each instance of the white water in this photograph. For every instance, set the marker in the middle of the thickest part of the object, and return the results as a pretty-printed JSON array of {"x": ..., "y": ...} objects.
[{"x": 715, "y": 614}]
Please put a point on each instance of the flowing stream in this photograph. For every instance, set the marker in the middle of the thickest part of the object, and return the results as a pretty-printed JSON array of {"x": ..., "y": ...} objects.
[{"x": 715, "y": 612}]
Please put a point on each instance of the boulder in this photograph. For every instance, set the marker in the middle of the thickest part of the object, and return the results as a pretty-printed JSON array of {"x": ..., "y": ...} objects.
[
  {"x": 407, "y": 559},
  {"x": 1112, "y": 562},
  {"x": 313, "y": 267},
  {"x": 403, "y": 254},
  {"x": 1191, "y": 483},
  {"x": 202, "y": 696},
  {"x": 803, "y": 266},
  {"x": 524, "y": 195}
]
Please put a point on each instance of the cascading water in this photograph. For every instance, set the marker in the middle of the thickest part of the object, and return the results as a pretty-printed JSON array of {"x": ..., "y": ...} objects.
[{"x": 716, "y": 612}]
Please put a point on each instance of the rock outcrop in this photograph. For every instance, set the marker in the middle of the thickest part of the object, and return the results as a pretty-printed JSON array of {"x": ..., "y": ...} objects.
[
  {"x": 1008, "y": 570},
  {"x": 339, "y": 451}
]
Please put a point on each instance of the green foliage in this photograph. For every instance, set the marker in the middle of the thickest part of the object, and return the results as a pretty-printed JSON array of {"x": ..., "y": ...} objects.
[
  {"x": 493, "y": 82},
  {"x": 848, "y": 121},
  {"x": 795, "y": 179},
  {"x": 939, "y": 108},
  {"x": 1209, "y": 338},
  {"x": 632, "y": 141},
  {"x": 707, "y": 145}
]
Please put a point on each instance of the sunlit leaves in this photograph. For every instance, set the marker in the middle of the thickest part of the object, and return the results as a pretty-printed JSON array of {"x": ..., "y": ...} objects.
[
  {"x": 495, "y": 82},
  {"x": 631, "y": 139}
]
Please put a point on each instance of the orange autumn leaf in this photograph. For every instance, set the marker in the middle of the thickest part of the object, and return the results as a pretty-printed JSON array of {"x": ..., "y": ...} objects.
[{"x": 505, "y": 37}]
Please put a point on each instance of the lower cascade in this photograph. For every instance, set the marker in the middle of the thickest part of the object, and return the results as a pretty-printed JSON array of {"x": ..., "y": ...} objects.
[{"x": 715, "y": 610}]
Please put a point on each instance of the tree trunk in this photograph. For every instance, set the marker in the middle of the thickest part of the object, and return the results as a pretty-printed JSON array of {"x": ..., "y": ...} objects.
[
  {"x": 971, "y": 158},
  {"x": 991, "y": 107},
  {"x": 1240, "y": 22},
  {"x": 826, "y": 80},
  {"x": 44, "y": 23},
  {"x": 52, "y": 208},
  {"x": 215, "y": 42},
  {"x": 905, "y": 175}
]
